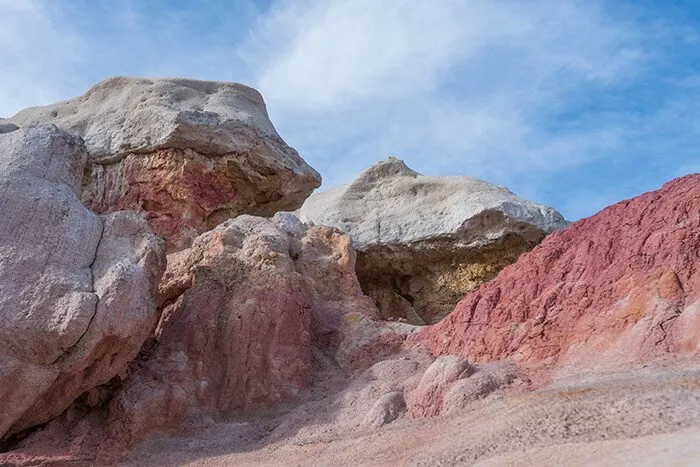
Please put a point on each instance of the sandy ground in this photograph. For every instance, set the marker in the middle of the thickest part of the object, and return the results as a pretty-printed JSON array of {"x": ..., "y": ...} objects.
[{"x": 644, "y": 416}]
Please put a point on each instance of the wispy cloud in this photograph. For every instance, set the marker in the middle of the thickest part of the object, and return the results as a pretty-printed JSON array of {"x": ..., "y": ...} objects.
[
  {"x": 570, "y": 102},
  {"x": 56, "y": 49},
  {"x": 464, "y": 85},
  {"x": 36, "y": 55},
  {"x": 516, "y": 92}
]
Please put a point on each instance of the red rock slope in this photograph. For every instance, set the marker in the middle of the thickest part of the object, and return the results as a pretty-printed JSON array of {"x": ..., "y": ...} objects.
[{"x": 618, "y": 287}]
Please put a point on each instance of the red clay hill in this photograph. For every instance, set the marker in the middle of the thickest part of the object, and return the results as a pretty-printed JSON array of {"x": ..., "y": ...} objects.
[{"x": 619, "y": 287}]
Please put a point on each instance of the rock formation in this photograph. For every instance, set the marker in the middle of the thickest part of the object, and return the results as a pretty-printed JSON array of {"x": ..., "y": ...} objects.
[
  {"x": 243, "y": 309},
  {"x": 77, "y": 290},
  {"x": 426, "y": 399},
  {"x": 451, "y": 383},
  {"x": 257, "y": 341},
  {"x": 620, "y": 287},
  {"x": 189, "y": 153},
  {"x": 424, "y": 241}
]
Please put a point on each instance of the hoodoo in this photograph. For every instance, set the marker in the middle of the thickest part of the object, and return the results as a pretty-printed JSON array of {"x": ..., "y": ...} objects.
[
  {"x": 425, "y": 241},
  {"x": 189, "y": 153}
]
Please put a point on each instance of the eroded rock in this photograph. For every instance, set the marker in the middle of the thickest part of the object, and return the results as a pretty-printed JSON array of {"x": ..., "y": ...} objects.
[
  {"x": 426, "y": 399},
  {"x": 77, "y": 291},
  {"x": 189, "y": 153},
  {"x": 242, "y": 310},
  {"x": 483, "y": 382},
  {"x": 450, "y": 384},
  {"x": 617, "y": 288},
  {"x": 423, "y": 241}
]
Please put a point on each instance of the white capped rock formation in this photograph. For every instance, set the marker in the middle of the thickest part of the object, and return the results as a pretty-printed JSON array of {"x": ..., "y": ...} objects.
[
  {"x": 424, "y": 241},
  {"x": 390, "y": 204},
  {"x": 189, "y": 153}
]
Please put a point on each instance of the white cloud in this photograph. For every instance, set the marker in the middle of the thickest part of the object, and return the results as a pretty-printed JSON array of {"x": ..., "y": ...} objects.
[
  {"x": 321, "y": 54},
  {"x": 451, "y": 86},
  {"x": 509, "y": 91},
  {"x": 36, "y": 55},
  {"x": 56, "y": 49},
  {"x": 342, "y": 51}
]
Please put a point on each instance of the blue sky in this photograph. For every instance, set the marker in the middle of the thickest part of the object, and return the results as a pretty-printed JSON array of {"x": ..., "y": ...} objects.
[{"x": 575, "y": 104}]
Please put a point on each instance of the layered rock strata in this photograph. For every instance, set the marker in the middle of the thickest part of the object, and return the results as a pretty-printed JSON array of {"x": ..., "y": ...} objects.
[
  {"x": 77, "y": 290},
  {"x": 424, "y": 241},
  {"x": 190, "y": 154},
  {"x": 617, "y": 288}
]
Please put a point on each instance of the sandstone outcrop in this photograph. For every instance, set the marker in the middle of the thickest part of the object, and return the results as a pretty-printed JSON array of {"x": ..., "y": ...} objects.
[
  {"x": 189, "y": 153},
  {"x": 424, "y": 241},
  {"x": 620, "y": 287},
  {"x": 77, "y": 290},
  {"x": 243, "y": 309},
  {"x": 257, "y": 342}
]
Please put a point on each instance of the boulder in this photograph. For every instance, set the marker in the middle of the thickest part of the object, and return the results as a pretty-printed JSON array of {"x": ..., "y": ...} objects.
[
  {"x": 617, "y": 288},
  {"x": 387, "y": 409},
  {"x": 426, "y": 399},
  {"x": 450, "y": 384},
  {"x": 77, "y": 290},
  {"x": 243, "y": 309},
  {"x": 424, "y": 241},
  {"x": 189, "y": 153},
  {"x": 483, "y": 382}
]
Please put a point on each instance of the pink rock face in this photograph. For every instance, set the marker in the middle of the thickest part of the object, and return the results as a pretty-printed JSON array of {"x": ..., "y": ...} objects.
[
  {"x": 234, "y": 335},
  {"x": 618, "y": 287},
  {"x": 242, "y": 310},
  {"x": 179, "y": 190}
]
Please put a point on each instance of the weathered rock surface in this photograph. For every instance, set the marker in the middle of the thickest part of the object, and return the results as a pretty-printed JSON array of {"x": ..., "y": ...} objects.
[
  {"x": 7, "y": 127},
  {"x": 426, "y": 399},
  {"x": 629, "y": 311},
  {"x": 189, "y": 153},
  {"x": 385, "y": 410},
  {"x": 484, "y": 381},
  {"x": 77, "y": 291},
  {"x": 424, "y": 241},
  {"x": 619, "y": 287},
  {"x": 242, "y": 310},
  {"x": 366, "y": 402},
  {"x": 450, "y": 384}
]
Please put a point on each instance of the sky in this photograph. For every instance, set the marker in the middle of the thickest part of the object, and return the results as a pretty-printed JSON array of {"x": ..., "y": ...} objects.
[{"x": 574, "y": 104}]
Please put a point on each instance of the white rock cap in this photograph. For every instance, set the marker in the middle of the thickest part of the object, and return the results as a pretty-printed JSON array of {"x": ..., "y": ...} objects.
[
  {"x": 124, "y": 115},
  {"x": 391, "y": 204}
]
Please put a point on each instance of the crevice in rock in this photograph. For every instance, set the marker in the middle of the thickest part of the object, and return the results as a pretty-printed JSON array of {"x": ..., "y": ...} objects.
[
  {"x": 12, "y": 442},
  {"x": 67, "y": 351}
]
